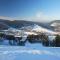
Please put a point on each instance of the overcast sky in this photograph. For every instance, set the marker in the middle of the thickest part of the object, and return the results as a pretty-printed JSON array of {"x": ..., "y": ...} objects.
[{"x": 34, "y": 10}]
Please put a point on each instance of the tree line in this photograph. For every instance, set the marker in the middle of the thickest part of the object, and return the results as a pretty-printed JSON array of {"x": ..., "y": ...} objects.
[{"x": 40, "y": 38}]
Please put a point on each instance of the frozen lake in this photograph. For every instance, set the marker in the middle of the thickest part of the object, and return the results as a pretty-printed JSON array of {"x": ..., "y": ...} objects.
[{"x": 29, "y": 52}]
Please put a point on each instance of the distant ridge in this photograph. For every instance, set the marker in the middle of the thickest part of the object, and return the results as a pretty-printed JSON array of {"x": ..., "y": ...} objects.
[
  {"x": 56, "y": 21},
  {"x": 21, "y": 23}
]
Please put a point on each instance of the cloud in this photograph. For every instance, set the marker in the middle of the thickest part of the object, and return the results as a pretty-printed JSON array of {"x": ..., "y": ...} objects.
[
  {"x": 39, "y": 17},
  {"x": 43, "y": 17}
]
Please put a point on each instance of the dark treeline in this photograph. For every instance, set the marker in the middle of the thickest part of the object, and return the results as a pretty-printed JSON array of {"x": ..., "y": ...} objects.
[{"x": 41, "y": 38}]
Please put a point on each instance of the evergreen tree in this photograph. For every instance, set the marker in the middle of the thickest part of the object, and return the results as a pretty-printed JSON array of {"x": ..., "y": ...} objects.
[{"x": 57, "y": 41}]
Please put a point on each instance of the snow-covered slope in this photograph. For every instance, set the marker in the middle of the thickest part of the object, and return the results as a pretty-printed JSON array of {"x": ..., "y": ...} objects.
[
  {"x": 38, "y": 28},
  {"x": 32, "y": 30},
  {"x": 29, "y": 52},
  {"x": 55, "y": 24}
]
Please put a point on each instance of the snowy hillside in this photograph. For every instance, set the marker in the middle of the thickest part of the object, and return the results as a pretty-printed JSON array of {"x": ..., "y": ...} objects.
[
  {"x": 38, "y": 28},
  {"x": 29, "y": 52}
]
